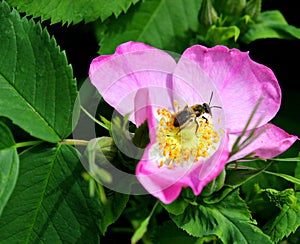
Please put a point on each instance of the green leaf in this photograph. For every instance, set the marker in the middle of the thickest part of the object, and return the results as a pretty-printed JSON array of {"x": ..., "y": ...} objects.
[
  {"x": 215, "y": 185},
  {"x": 142, "y": 229},
  {"x": 221, "y": 35},
  {"x": 177, "y": 207},
  {"x": 141, "y": 135},
  {"x": 229, "y": 219},
  {"x": 50, "y": 202},
  {"x": 139, "y": 233},
  {"x": 100, "y": 152},
  {"x": 112, "y": 209},
  {"x": 288, "y": 220},
  {"x": 270, "y": 24},
  {"x": 234, "y": 179},
  {"x": 70, "y": 11},
  {"x": 161, "y": 23},
  {"x": 285, "y": 176},
  {"x": 9, "y": 165},
  {"x": 37, "y": 90},
  {"x": 297, "y": 174},
  {"x": 296, "y": 159}
]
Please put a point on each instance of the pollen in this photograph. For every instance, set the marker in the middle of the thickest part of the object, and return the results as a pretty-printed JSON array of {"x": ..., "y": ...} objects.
[{"x": 194, "y": 141}]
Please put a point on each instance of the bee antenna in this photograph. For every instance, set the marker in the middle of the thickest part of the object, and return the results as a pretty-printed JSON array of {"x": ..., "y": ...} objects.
[
  {"x": 216, "y": 107},
  {"x": 212, "y": 93}
]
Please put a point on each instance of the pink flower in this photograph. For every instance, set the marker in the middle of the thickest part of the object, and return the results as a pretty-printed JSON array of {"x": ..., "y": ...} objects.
[{"x": 149, "y": 84}]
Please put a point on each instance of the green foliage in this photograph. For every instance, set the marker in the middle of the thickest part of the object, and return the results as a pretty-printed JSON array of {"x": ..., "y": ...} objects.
[
  {"x": 227, "y": 22},
  {"x": 142, "y": 229},
  {"x": 141, "y": 136},
  {"x": 139, "y": 233},
  {"x": 270, "y": 24},
  {"x": 288, "y": 219},
  {"x": 162, "y": 23},
  {"x": 72, "y": 11},
  {"x": 34, "y": 79},
  {"x": 9, "y": 165},
  {"x": 229, "y": 220},
  {"x": 99, "y": 152},
  {"x": 111, "y": 209},
  {"x": 50, "y": 201}
]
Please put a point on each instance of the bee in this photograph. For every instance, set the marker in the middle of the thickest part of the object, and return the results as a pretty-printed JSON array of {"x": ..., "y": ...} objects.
[{"x": 190, "y": 114}]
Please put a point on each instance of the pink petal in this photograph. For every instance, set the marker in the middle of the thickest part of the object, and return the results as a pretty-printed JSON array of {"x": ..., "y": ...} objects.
[
  {"x": 166, "y": 184},
  {"x": 272, "y": 142},
  {"x": 189, "y": 78},
  {"x": 240, "y": 83},
  {"x": 133, "y": 66}
]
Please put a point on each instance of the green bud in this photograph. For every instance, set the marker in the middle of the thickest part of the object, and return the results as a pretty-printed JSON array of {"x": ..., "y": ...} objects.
[
  {"x": 230, "y": 7},
  {"x": 253, "y": 8},
  {"x": 207, "y": 15}
]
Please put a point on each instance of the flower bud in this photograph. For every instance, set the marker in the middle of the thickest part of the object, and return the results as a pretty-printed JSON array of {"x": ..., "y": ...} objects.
[
  {"x": 253, "y": 8},
  {"x": 207, "y": 15},
  {"x": 230, "y": 7}
]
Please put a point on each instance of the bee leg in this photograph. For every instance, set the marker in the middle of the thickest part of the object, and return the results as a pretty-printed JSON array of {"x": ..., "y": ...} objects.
[
  {"x": 206, "y": 120},
  {"x": 197, "y": 125}
]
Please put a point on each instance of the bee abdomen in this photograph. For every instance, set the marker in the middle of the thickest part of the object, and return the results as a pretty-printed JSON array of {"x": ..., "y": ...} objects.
[{"x": 181, "y": 118}]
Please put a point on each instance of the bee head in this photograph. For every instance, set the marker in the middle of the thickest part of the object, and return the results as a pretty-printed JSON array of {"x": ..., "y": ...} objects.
[{"x": 206, "y": 108}]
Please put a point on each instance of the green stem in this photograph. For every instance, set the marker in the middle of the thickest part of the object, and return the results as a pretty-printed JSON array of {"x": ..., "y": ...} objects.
[
  {"x": 73, "y": 142},
  {"x": 153, "y": 209},
  {"x": 92, "y": 118},
  {"x": 27, "y": 144}
]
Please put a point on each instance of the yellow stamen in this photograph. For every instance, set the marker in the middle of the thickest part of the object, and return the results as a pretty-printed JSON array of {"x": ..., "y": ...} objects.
[{"x": 184, "y": 145}]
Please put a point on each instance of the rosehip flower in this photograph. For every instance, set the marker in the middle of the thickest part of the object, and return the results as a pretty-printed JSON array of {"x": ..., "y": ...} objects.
[{"x": 196, "y": 108}]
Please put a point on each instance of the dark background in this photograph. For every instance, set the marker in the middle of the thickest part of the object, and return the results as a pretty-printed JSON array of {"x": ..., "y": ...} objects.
[{"x": 283, "y": 57}]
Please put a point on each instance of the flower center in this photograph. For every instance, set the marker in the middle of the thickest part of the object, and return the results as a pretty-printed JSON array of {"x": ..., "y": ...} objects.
[{"x": 187, "y": 140}]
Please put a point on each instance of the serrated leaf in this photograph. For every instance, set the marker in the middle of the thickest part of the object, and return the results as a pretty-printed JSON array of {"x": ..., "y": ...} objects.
[
  {"x": 270, "y": 24},
  {"x": 70, "y": 11},
  {"x": 37, "y": 91},
  {"x": 288, "y": 220},
  {"x": 229, "y": 219},
  {"x": 9, "y": 165},
  {"x": 50, "y": 202},
  {"x": 160, "y": 23}
]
